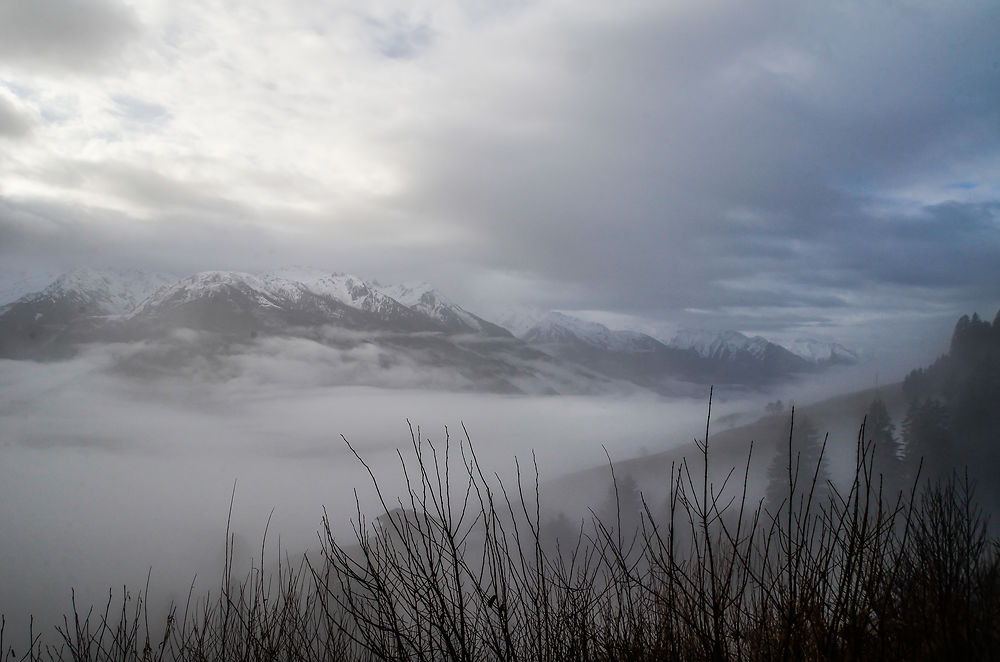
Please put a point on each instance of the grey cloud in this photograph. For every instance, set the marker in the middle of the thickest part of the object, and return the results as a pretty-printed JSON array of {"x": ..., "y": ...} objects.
[
  {"x": 399, "y": 36},
  {"x": 159, "y": 191},
  {"x": 14, "y": 123},
  {"x": 951, "y": 245},
  {"x": 675, "y": 123},
  {"x": 144, "y": 186},
  {"x": 63, "y": 235},
  {"x": 132, "y": 109},
  {"x": 68, "y": 34}
]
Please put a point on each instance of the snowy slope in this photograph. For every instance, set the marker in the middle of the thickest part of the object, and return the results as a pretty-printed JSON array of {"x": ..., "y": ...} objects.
[
  {"x": 820, "y": 352},
  {"x": 78, "y": 307},
  {"x": 719, "y": 344},
  {"x": 345, "y": 288},
  {"x": 519, "y": 320},
  {"x": 241, "y": 305},
  {"x": 356, "y": 293},
  {"x": 298, "y": 274},
  {"x": 423, "y": 298},
  {"x": 414, "y": 321},
  {"x": 272, "y": 292},
  {"x": 556, "y": 327},
  {"x": 16, "y": 283},
  {"x": 230, "y": 301},
  {"x": 105, "y": 291}
]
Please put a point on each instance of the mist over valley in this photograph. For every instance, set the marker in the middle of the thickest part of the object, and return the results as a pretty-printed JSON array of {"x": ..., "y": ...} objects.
[
  {"x": 132, "y": 404},
  {"x": 474, "y": 330}
]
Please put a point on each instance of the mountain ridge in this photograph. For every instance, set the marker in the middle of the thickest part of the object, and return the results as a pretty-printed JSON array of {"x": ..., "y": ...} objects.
[{"x": 415, "y": 319}]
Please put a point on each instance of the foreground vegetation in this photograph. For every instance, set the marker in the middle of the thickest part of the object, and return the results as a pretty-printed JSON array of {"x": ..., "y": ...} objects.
[{"x": 465, "y": 567}]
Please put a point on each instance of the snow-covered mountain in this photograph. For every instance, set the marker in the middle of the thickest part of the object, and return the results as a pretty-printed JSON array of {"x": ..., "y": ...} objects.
[
  {"x": 701, "y": 356},
  {"x": 822, "y": 353},
  {"x": 265, "y": 292},
  {"x": 103, "y": 291},
  {"x": 87, "y": 293},
  {"x": 519, "y": 320},
  {"x": 723, "y": 344},
  {"x": 72, "y": 309},
  {"x": 617, "y": 354},
  {"x": 235, "y": 311},
  {"x": 356, "y": 293},
  {"x": 750, "y": 355},
  {"x": 238, "y": 313},
  {"x": 345, "y": 288},
  {"x": 423, "y": 298},
  {"x": 242, "y": 303},
  {"x": 16, "y": 283},
  {"x": 393, "y": 302},
  {"x": 719, "y": 344},
  {"x": 556, "y": 328}
]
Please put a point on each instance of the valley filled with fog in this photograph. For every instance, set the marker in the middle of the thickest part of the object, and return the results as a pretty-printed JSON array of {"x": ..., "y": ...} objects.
[
  {"x": 105, "y": 475},
  {"x": 132, "y": 403}
]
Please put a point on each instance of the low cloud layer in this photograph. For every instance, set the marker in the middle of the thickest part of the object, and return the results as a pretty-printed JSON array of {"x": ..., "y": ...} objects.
[{"x": 104, "y": 475}]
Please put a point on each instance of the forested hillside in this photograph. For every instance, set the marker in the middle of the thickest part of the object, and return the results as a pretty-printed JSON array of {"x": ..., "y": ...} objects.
[{"x": 953, "y": 420}]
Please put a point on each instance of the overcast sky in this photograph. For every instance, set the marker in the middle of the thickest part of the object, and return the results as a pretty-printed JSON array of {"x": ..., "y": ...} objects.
[{"x": 789, "y": 168}]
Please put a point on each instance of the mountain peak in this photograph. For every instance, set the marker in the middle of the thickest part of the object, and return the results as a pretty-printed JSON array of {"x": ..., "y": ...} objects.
[
  {"x": 418, "y": 293},
  {"x": 718, "y": 344},
  {"x": 206, "y": 283},
  {"x": 558, "y": 327},
  {"x": 298, "y": 274},
  {"x": 114, "y": 291},
  {"x": 355, "y": 292},
  {"x": 424, "y": 298},
  {"x": 820, "y": 351},
  {"x": 519, "y": 320}
]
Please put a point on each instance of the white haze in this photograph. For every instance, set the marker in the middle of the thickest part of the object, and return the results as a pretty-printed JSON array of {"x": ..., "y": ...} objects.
[{"x": 105, "y": 476}]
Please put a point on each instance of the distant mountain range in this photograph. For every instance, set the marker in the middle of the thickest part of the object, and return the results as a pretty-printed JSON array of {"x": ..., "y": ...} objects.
[{"x": 232, "y": 312}]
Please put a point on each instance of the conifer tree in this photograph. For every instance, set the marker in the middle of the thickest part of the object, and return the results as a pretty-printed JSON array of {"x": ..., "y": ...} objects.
[
  {"x": 927, "y": 437},
  {"x": 880, "y": 434}
]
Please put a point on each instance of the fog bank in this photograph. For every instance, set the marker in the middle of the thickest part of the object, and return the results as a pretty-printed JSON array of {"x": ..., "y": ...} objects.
[{"x": 104, "y": 477}]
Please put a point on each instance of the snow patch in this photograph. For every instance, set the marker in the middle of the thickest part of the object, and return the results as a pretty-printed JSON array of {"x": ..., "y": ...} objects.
[
  {"x": 556, "y": 327},
  {"x": 266, "y": 291},
  {"x": 719, "y": 344},
  {"x": 423, "y": 298},
  {"x": 818, "y": 351},
  {"x": 114, "y": 291}
]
